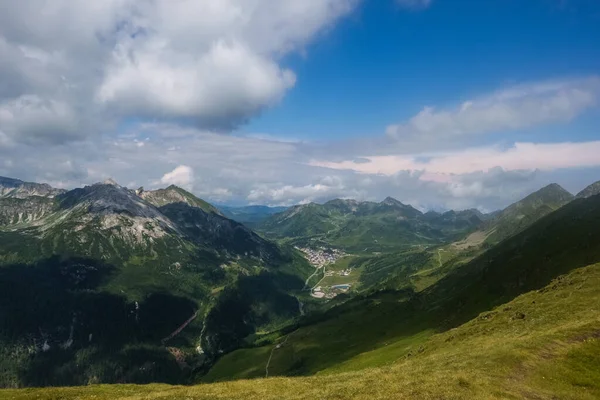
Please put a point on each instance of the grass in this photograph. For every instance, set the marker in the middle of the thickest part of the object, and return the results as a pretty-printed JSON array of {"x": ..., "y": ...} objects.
[{"x": 544, "y": 344}]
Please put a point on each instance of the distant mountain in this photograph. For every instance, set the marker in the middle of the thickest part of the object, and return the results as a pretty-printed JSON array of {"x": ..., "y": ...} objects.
[
  {"x": 366, "y": 226},
  {"x": 591, "y": 190},
  {"x": 250, "y": 215},
  {"x": 174, "y": 194},
  {"x": 525, "y": 212},
  {"x": 15, "y": 188},
  {"x": 105, "y": 270}
]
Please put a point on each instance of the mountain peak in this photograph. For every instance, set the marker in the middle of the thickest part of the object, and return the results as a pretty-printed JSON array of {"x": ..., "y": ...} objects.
[
  {"x": 589, "y": 191},
  {"x": 390, "y": 201},
  {"x": 553, "y": 193},
  {"x": 111, "y": 181}
]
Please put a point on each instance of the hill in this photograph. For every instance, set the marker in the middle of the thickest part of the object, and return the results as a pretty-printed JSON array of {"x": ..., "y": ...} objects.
[{"x": 98, "y": 284}]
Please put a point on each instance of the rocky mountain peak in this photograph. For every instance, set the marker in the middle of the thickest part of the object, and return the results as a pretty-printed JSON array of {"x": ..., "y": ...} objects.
[
  {"x": 174, "y": 194},
  {"x": 111, "y": 181}
]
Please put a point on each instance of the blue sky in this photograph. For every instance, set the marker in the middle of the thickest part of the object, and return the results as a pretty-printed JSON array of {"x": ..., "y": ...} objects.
[
  {"x": 439, "y": 103},
  {"x": 384, "y": 62}
]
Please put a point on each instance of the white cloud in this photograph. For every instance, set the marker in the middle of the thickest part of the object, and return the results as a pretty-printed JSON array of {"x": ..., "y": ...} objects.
[
  {"x": 514, "y": 108},
  {"x": 440, "y": 166},
  {"x": 181, "y": 176},
  {"x": 215, "y": 63}
]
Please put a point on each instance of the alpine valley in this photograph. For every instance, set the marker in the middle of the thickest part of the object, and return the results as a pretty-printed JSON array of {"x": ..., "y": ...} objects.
[{"x": 346, "y": 299}]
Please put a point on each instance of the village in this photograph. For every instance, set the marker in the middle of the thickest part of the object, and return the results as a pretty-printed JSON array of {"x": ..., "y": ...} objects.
[{"x": 320, "y": 258}]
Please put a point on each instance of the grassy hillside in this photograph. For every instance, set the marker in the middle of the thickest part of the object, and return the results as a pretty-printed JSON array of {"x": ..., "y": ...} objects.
[
  {"x": 544, "y": 344},
  {"x": 558, "y": 243}
]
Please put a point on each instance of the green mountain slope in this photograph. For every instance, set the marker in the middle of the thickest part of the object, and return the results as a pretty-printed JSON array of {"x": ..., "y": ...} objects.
[
  {"x": 383, "y": 327},
  {"x": 523, "y": 213},
  {"x": 99, "y": 285}
]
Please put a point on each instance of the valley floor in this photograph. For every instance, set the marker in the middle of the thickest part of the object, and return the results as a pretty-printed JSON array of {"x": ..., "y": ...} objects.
[{"x": 544, "y": 344}]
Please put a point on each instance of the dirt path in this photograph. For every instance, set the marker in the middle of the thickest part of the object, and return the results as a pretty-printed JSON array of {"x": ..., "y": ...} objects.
[
  {"x": 276, "y": 347},
  {"x": 439, "y": 253}
]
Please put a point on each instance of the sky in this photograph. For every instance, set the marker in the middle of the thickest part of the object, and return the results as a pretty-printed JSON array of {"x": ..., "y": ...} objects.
[{"x": 442, "y": 104}]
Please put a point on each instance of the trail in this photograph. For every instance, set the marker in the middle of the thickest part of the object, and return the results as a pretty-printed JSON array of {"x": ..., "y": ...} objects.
[
  {"x": 439, "y": 257},
  {"x": 178, "y": 330},
  {"x": 278, "y": 346}
]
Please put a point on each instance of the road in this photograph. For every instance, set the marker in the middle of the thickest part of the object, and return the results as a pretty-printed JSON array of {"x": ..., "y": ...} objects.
[
  {"x": 317, "y": 284},
  {"x": 317, "y": 269}
]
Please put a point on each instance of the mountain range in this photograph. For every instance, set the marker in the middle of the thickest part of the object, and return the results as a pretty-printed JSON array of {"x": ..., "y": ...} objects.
[
  {"x": 368, "y": 226},
  {"x": 106, "y": 284}
]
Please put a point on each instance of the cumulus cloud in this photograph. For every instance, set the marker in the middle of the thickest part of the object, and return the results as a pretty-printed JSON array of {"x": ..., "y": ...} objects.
[
  {"x": 180, "y": 176},
  {"x": 513, "y": 108},
  {"x": 214, "y": 63}
]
